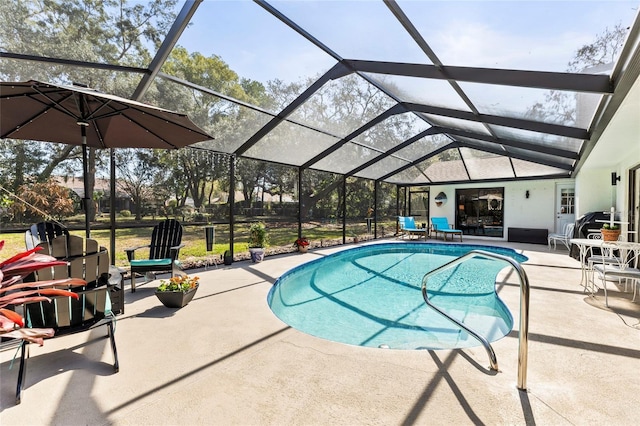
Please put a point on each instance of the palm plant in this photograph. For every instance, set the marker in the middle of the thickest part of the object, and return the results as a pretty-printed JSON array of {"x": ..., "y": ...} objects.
[{"x": 14, "y": 291}]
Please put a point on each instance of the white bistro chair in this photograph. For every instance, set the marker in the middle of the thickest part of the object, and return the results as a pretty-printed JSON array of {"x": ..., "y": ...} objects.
[
  {"x": 627, "y": 266},
  {"x": 562, "y": 238}
]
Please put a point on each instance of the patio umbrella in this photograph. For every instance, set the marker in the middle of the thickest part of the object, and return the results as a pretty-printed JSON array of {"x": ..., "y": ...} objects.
[{"x": 79, "y": 115}]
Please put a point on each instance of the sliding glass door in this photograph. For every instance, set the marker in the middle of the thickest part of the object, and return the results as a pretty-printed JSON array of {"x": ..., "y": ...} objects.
[{"x": 479, "y": 211}]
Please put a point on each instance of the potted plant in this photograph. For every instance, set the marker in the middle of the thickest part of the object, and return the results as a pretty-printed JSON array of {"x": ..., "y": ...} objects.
[
  {"x": 302, "y": 244},
  {"x": 258, "y": 240},
  {"x": 610, "y": 232},
  {"x": 177, "y": 291}
]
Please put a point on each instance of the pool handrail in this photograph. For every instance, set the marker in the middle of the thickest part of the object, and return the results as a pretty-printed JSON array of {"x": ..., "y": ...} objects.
[{"x": 523, "y": 334}]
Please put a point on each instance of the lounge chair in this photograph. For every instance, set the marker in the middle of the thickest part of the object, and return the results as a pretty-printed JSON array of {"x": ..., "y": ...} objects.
[
  {"x": 440, "y": 225},
  {"x": 562, "y": 238},
  {"x": 408, "y": 227},
  {"x": 163, "y": 251}
]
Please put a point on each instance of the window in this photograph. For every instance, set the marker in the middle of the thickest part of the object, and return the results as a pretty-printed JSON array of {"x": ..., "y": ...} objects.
[
  {"x": 479, "y": 211},
  {"x": 567, "y": 201}
]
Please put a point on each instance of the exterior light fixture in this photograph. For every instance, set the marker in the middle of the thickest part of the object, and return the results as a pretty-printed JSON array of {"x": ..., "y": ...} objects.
[{"x": 614, "y": 178}]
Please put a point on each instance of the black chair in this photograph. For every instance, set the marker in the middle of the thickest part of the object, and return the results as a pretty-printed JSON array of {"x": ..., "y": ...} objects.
[
  {"x": 163, "y": 251},
  {"x": 43, "y": 232},
  {"x": 65, "y": 315}
]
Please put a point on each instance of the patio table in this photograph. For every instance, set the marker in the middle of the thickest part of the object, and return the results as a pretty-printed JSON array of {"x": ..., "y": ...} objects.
[{"x": 586, "y": 244}]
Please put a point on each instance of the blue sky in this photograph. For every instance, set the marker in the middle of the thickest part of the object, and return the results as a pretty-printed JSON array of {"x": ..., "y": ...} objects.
[{"x": 540, "y": 35}]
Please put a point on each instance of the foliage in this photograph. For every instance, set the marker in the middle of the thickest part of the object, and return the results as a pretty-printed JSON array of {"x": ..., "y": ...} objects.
[
  {"x": 603, "y": 50},
  {"x": 560, "y": 107},
  {"x": 13, "y": 292},
  {"x": 136, "y": 170},
  {"x": 38, "y": 200},
  {"x": 182, "y": 283},
  {"x": 258, "y": 236},
  {"x": 107, "y": 32},
  {"x": 301, "y": 242},
  {"x": 610, "y": 227}
]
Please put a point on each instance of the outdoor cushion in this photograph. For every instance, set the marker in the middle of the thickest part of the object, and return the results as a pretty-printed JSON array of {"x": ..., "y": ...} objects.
[
  {"x": 151, "y": 262},
  {"x": 441, "y": 224},
  {"x": 408, "y": 226}
]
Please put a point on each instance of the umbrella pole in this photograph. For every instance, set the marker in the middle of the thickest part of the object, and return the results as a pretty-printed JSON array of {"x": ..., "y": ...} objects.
[
  {"x": 85, "y": 173},
  {"x": 112, "y": 205}
]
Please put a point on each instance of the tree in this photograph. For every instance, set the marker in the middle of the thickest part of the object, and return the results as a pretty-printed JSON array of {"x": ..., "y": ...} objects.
[
  {"x": 102, "y": 31},
  {"x": 38, "y": 201},
  {"x": 137, "y": 170},
  {"x": 339, "y": 107},
  {"x": 561, "y": 107},
  {"x": 250, "y": 175},
  {"x": 195, "y": 171}
]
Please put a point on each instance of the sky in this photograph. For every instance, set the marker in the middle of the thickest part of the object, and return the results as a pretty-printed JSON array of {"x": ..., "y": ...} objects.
[{"x": 537, "y": 35}]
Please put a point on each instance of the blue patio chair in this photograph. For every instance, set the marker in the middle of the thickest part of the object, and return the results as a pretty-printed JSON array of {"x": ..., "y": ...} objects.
[
  {"x": 440, "y": 225},
  {"x": 408, "y": 227}
]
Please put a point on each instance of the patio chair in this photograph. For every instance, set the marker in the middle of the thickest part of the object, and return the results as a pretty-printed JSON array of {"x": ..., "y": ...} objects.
[
  {"x": 163, "y": 251},
  {"x": 408, "y": 227},
  {"x": 626, "y": 268},
  {"x": 43, "y": 231},
  {"x": 440, "y": 225},
  {"x": 66, "y": 315},
  {"x": 562, "y": 238}
]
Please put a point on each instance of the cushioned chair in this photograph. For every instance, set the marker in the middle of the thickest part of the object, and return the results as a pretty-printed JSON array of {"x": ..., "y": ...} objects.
[
  {"x": 163, "y": 251},
  {"x": 408, "y": 227},
  {"x": 440, "y": 225}
]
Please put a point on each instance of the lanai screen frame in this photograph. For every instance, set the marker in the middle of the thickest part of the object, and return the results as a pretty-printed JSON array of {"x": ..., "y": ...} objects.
[{"x": 555, "y": 162}]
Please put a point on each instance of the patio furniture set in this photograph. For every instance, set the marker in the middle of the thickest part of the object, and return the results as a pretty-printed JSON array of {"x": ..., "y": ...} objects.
[
  {"x": 102, "y": 297},
  {"x": 605, "y": 262},
  {"x": 439, "y": 226}
]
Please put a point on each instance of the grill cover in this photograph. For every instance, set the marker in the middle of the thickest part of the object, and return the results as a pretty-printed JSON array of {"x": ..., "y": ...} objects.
[{"x": 584, "y": 225}]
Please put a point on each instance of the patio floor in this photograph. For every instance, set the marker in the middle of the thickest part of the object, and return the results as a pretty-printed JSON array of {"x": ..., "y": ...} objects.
[{"x": 226, "y": 359}]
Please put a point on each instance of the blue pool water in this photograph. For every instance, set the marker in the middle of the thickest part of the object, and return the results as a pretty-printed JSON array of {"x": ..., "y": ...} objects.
[{"x": 371, "y": 296}]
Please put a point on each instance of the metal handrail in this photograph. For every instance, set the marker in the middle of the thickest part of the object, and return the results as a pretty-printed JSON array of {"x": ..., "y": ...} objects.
[{"x": 523, "y": 335}]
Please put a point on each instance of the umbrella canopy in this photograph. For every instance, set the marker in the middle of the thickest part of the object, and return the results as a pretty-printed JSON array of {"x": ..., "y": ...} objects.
[
  {"x": 34, "y": 110},
  {"x": 77, "y": 115}
]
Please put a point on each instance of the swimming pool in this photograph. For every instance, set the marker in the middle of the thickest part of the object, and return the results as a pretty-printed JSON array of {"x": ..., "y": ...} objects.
[{"x": 371, "y": 296}]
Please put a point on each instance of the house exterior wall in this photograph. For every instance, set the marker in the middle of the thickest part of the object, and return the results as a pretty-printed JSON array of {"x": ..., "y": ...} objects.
[
  {"x": 537, "y": 211},
  {"x": 618, "y": 150}
]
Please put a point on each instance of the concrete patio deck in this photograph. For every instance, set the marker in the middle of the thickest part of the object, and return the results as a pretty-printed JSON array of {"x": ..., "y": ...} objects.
[{"x": 225, "y": 359}]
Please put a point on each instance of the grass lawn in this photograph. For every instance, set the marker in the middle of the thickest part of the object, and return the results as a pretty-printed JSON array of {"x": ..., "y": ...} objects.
[{"x": 280, "y": 234}]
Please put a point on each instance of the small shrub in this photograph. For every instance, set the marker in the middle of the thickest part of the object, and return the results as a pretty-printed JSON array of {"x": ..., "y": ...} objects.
[{"x": 125, "y": 213}]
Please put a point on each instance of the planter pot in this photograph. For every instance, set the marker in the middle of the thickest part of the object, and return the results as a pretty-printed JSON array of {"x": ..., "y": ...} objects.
[
  {"x": 257, "y": 254},
  {"x": 228, "y": 259},
  {"x": 176, "y": 299},
  {"x": 303, "y": 249},
  {"x": 610, "y": 234}
]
